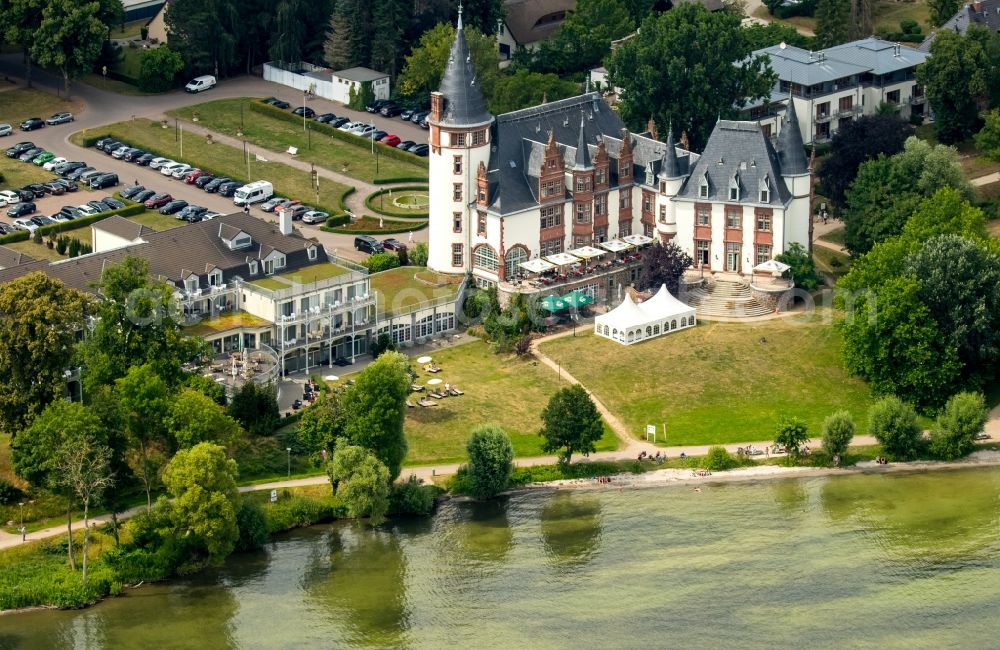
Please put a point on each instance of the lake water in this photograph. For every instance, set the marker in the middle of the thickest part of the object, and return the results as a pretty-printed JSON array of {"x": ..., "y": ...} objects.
[{"x": 893, "y": 561}]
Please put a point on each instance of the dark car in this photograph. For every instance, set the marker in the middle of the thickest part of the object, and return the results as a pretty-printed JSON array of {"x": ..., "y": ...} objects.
[
  {"x": 391, "y": 110},
  {"x": 229, "y": 188},
  {"x": 213, "y": 185},
  {"x": 113, "y": 202},
  {"x": 42, "y": 220},
  {"x": 70, "y": 212},
  {"x": 377, "y": 105},
  {"x": 19, "y": 148},
  {"x": 277, "y": 103},
  {"x": 25, "y": 196},
  {"x": 112, "y": 145},
  {"x": 407, "y": 114},
  {"x": 174, "y": 206},
  {"x": 418, "y": 117},
  {"x": 377, "y": 135},
  {"x": 67, "y": 167},
  {"x": 30, "y": 154},
  {"x": 368, "y": 244},
  {"x": 393, "y": 244},
  {"x": 78, "y": 172},
  {"x": 296, "y": 405},
  {"x": 420, "y": 149},
  {"x": 7, "y": 229},
  {"x": 339, "y": 122},
  {"x": 37, "y": 189},
  {"x": 133, "y": 155},
  {"x": 325, "y": 117},
  {"x": 158, "y": 201},
  {"x": 100, "y": 206},
  {"x": 144, "y": 159},
  {"x": 203, "y": 180},
  {"x": 143, "y": 196},
  {"x": 59, "y": 118},
  {"x": 104, "y": 180},
  {"x": 131, "y": 190},
  {"x": 192, "y": 213},
  {"x": 21, "y": 209},
  {"x": 406, "y": 144},
  {"x": 103, "y": 141},
  {"x": 297, "y": 211},
  {"x": 32, "y": 123},
  {"x": 67, "y": 186},
  {"x": 304, "y": 111},
  {"x": 55, "y": 189}
]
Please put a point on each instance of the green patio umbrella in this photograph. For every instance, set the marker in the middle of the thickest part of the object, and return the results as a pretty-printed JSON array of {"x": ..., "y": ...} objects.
[
  {"x": 577, "y": 299},
  {"x": 552, "y": 303}
]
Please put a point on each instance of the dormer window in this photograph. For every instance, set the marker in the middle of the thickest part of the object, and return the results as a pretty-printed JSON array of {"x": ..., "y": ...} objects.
[
  {"x": 765, "y": 190},
  {"x": 734, "y": 188},
  {"x": 191, "y": 283},
  {"x": 215, "y": 278},
  {"x": 313, "y": 252},
  {"x": 253, "y": 267},
  {"x": 703, "y": 188},
  {"x": 649, "y": 176},
  {"x": 765, "y": 196}
]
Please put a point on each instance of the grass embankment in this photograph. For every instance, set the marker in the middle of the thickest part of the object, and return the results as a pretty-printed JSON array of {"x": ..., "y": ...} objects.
[
  {"x": 355, "y": 160},
  {"x": 830, "y": 261},
  {"x": 16, "y": 173},
  {"x": 507, "y": 390},
  {"x": 156, "y": 221},
  {"x": 721, "y": 382},
  {"x": 22, "y": 103},
  {"x": 287, "y": 181},
  {"x": 888, "y": 14},
  {"x": 400, "y": 289}
]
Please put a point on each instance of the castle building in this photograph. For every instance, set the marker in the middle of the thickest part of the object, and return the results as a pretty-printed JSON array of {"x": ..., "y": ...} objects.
[{"x": 567, "y": 174}]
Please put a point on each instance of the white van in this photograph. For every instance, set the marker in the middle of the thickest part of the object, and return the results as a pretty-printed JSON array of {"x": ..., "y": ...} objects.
[
  {"x": 201, "y": 83},
  {"x": 253, "y": 193}
]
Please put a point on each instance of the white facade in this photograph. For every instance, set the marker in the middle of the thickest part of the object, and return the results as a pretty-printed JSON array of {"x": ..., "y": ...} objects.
[{"x": 325, "y": 83}]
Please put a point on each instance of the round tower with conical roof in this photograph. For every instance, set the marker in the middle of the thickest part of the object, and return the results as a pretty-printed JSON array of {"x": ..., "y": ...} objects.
[
  {"x": 670, "y": 179},
  {"x": 797, "y": 175},
  {"x": 459, "y": 153}
]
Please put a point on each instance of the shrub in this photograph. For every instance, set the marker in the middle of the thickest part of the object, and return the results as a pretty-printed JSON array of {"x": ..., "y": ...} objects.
[
  {"x": 791, "y": 434},
  {"x": 411, "y": 497},
  {"x": 893, "y": 422},
  {"x": 61, "y": 243},
  {"x": 383, "y": 343},
  {"x": 419, "y": 255},
  {"x": 491, "y": 459},
  {"x": 9, "y": 493},
  {"x": 381, "y": 262},
  {"x": 957, "y": 425},
  {"x": 74, "y": 247},
  {"x": 460, "y": 482},
  {"x": 838, "y": 430},
  {"x": 299, "y": 511},
  {"x": 252, "y": 523},
  {"x": 404, "y": 258},
  {"x": 523, "y": 345},
  {"x": 718, "y": 459}
]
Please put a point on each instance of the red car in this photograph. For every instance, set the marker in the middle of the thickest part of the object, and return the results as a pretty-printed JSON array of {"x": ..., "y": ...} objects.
[
  {"x": 390, "y": 140},
  {"x": 192, "y": 176},
  {"x": 158, "y": 201}
]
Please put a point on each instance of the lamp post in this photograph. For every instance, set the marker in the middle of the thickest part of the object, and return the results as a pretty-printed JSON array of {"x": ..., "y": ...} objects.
[
  {"x": 289, "y": 450},
  {"x": 305, "y": 94},
  {"x": 20, "y": 528},
  {"x": 309, "y": 133}
]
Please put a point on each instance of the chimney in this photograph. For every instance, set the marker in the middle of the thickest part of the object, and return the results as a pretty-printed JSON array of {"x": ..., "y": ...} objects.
[{"x": 285, "y": 222}]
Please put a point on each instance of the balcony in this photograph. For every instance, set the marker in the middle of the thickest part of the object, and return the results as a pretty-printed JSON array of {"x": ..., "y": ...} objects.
[
  {"x": 321, "y": 312},
  {"x": 822, "y": 118},
  {"x": 916, "y": 100},
  {"x": 849, "y": 112}
]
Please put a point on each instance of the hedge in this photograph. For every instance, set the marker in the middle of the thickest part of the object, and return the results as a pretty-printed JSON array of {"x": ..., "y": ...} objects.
[
  {"x": 88, "y": 141},
  {"x": 259, "y": 106},
  {"x": 415, "y": 214},
  {"x": 82, "y": 222},
  {"x": 400, "y": 179},
  {"x": 377, "y": 231}
]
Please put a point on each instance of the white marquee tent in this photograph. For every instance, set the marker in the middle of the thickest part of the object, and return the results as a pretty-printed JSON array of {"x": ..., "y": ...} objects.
[{"x": 630, "y": 323}]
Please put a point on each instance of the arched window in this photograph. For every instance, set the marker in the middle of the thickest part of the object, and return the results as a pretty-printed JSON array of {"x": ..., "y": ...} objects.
[
  {"x": 656, "y": 329},
  {"x": 614, "y": 332},
  {"x": 631, "y": 336},
  {"x": 512, "y": 260},
  {"x": 606, "y": 330},
  {"x": 484, "y": 257},
  {"x": 673, "y": 324},
  {"x": 684, "y": 321},
  {"x": 649, "y": 330}
]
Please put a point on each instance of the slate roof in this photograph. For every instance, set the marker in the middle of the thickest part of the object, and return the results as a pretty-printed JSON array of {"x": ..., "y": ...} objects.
[
  {"x": 987, "y": 15},
  {"x": 881, "y": 57},
  {"x": 740, "y": 150},
  {"x": 10, "y": 258},
  {"x": 464, "y": 103},
  {"x": 122, "y": 227},
  {"x": 791, "y": 152},
  {"x": 359, "y": 74},
  {"x": 174, "y": 254},
  {"x": 868, "y": 55},
  {"x": 522, "y": 18}
]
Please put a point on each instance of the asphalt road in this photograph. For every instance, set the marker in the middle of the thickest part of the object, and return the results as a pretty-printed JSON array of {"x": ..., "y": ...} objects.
[{"x": 104, "y": 108}]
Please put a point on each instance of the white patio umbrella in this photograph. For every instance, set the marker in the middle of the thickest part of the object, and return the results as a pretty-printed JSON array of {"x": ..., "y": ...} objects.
[
  {"x": 536, "y": 266},
  {"x": 771, "y": 266},
  {"x": 424, "y": 359},
  {"x": 331, "y": 378},
  {"x": 562, "y": 259},
  {"x": 433, "y": 382}
]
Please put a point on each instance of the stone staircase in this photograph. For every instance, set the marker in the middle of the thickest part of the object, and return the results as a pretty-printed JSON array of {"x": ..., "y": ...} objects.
[{"x": 725, "y": 298}]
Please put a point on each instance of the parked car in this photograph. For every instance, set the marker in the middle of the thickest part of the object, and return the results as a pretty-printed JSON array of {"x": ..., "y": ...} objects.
[
  {"x": 174, "y": 206},
  {"x": 393, "y": 244},
  {"x": 168, "y": 170},
  {"x": 315, "y": 216},
  {"x": 368, "y": 244},
  {"x": 203, "y": 180},
  {"x": 201, "y": 83},
  {"x": 339, "y": 122},
  {"x": 7, "y": 229},
  {"x": 113, "y": 202},
  {"x": 304, "y": 111},
  {"x": 75, "y": 174},
  {"x": 144, "y": 159},
  {"x": 67, "y": 167},
  {"x": 6, "y": 129},
  {"x": 52, "y": 164},
  {"x": 210, "y": 215},
  {"x": 8, "y": 197},
  {"x": 405, "y": 144},
  {"x": 32, "y": 123},
  {"x": 43, "y": 158},
  {"x": 101, "y": 142},
  {"x": 21, "y": 209},
  {"x": 277, "y": 103},
  {"x": 377, "y": 135},
  {"x": 297, "y": 210},
  {"x": 25, "y": 224},
  {"x": 42, "y": 220},
  {"x": 122, "y": 151},
  {"x": 55, "y": 189},
  {"x": 134, "y": 155},
  {"x": 24, "y": 195},
  {"x": 424, "y": 124},
  {"x": 273, "y": 203},
  {"x": 407, "y": 114},
  {"x": 421, "y": 150},
  {"x": 30, "y": 154},
  {"x": 58, "y": 217},
  {"x": 143, "y": 196},
  {"x": 377, "y": 105},
  {"x": 390, "y": 140},
  {"x": 70, "y": 212},
  {"x": 37, "y": 189},
  {"x": 19, "y": 148},
  {"x": 417, "y": 117},
  {"x": 131, "y": 190},
  {"x": 59, "y": 118},
  {"x": 68, "y": 186},
  {"x": 325, "y": 118},
  {"x": 158, "y": 162},
  {"x": 110, "y": 146},
  {"x": 213, "y": 185},
  {"x": 391, "y": 110},
  {"x": 103, "y": 181},
  {"x": 179, "y": 172},
  {"x": 192, "y": 213},
  {"x": 192, "y": 176},
  {"x": 98, "y": 206},
  {"x": 229, "y": 188},
  {"x": 349, "y": 126},
  {"x": 158, "y": 201}
]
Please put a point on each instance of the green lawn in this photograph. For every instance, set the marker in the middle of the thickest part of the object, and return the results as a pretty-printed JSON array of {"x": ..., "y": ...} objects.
[
  {"x": 401, "y": 288},
  {"x": 271, "y": 284},
  {"x": 314, "y": 273},
  {"x": 18, "y": 105},
  {"x": 130, "y": 63},
  {"x": 156, "y": 221},
  {"x": 385, "y": 203},
  {"x": 224, "y": 324},
  {"x": 18, "y": 174},
  {"x": 370, "y": 224},
  {"x": 719, "y": 382},
  {"x": 128, "y": 30},
  {"x": 830, "y": 261},
  {"x": 219, "y": 157},
  {"x": 835, "y": 236},
  {"x": 507, "y": 390},
  {"x": 224, "y": 116}
]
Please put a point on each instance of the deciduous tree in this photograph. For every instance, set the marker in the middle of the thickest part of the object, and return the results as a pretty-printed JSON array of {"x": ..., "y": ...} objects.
[
  {"x": 571, "y": 423},
  {"x": 802, "y": 269},
  {"x": 195, "y": 418},
  {"x": 145, "y": 404},
  {"x": 893, "y": 422},
  {"x": 988, "y": 138},
  {"x": 584, "y": 38},
  {"x": 20, "y": 20},
  {"x": 955, "y": 79},
  {"x": 85, "y": 472},
  {"x": 490, "y": 460},
  {"x": 158, "y": 69},
  {"x": 962, "y": 418},
  {"x": 255, "y": 407},
  {"x": 373, "y": 409},
  {"x": 39, "y": 322},
  {"x": 791, "y": 434},
  {"x": 522, "y": 89},
  {"x": 663, "y": 76},
  {"x": 322, "y": 423},
  {"x": 202, "y": 482},
  {"x": 360, "y": 481},
  {"x": 838, "y": 431},
  {"x": 942, "y": 10},
  {"x": 425, "y": 64},
  {"x": 663, "y": 264},
  {"x": 69, "y": 37}
]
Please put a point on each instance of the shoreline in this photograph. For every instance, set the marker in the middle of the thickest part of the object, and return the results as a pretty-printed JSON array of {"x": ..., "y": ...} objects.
[{"x": 686, "y": 477}]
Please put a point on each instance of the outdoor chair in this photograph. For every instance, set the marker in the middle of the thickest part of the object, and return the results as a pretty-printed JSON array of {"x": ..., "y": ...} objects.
[{"x": 455, "y": 392}]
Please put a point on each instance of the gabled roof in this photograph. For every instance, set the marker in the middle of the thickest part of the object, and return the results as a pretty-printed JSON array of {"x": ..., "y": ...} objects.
[
  {"x": 464, "y": 103},
  {"x": 359, "y": 74},
  {"x": 985, "y": 13},
  {"x": 122, "y": 227},
  {"x": 739, "y": 148},
  {"x": 10, "y": 258}
]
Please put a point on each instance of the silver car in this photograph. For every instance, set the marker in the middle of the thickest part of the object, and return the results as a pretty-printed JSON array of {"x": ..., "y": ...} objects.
[{"x": 6, "y": 129}]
